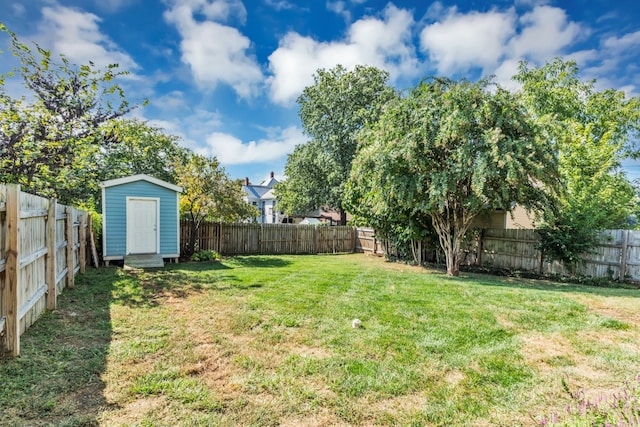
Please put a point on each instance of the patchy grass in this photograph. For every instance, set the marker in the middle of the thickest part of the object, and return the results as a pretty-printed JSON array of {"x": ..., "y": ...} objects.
[{"x": 268, "y": 341}]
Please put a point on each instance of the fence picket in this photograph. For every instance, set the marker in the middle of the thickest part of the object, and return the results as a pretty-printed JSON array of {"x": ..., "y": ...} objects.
[
  {"x": 240, "y": 238},
  {"x": 12, "y": 276},
  {"x": 32, "y": 261}
]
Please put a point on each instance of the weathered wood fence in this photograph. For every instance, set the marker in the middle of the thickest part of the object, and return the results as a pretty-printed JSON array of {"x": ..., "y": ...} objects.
[
  {"x": 617, "y": 256},
  {"x": 42, "y": 247},
  {"x": 232, "y": 239}
]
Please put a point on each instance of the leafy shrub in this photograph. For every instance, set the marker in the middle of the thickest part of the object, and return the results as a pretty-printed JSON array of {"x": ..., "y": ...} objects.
[{"x": 206, "y": 255}]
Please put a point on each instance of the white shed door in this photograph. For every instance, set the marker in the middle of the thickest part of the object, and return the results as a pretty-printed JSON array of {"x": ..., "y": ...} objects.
[{"x": 142, "y": 226}]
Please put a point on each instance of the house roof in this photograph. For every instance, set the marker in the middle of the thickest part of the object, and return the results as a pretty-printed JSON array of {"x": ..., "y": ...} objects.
[
  {"x": 264, "y": 191},
  {"x": 310, "y": 221},
  {"x": 271, "y": 182},
  {"x": 258, "y": 192},
  {"x": 141, "y": 177}
]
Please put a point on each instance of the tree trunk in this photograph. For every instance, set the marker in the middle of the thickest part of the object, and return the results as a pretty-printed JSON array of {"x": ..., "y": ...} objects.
[
  {"x": 193, "y": 234},
  {"x": 343, "y": 217},
  {"x": 453, "y": 263},
  {"x": 450, "y": 233},
  {"x": 191, "y": 246}
]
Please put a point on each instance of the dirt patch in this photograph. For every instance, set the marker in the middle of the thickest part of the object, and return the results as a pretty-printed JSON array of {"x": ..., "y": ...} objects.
[
  {"x": 454, "y": 377},
  {"x": 504, "y": 321},
  {"x": 324, "y": 419},
  {"x": 406, "y": 403},
  {"x": 539, "y": 348},
  {"x": 133, "y": 411},
  {"x": 625, "y": 310},
  {"x": 558, "y": 361},
  {"x": 208, "y": 361},
  {"x": 306, "y": 351}
]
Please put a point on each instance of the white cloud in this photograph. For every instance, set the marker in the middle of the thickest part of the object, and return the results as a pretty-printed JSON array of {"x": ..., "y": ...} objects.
[
  {"x": 280, "y": 4},
  {"x": 113, "y": 5},
  {"x": 531, "y": 3},
  {"x": 222, "y": 10},
  {"x": 171, "y": 101},
  {"x": 496, "y": 41},
  {"x": 339, "y": 7},
  {"x": 18, "y": 9},
  {"x": 626, "y": 42},
  {"x": 76, "y": 34},
  {"x": 216, "y": 53},
  {"x": 384, "y": 43},
  {"x": 546, "y": 33},
  {"x": 616, "y": 65},
  {"x": 230, "y": 150},
  {"x": 504, "y": 73},
  {"x": 168, "y": 126},
  {"x": 463, "y": 41}
]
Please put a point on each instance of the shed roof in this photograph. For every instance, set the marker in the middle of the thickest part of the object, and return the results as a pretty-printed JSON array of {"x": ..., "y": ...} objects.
[{"x": 141, "y": 177}]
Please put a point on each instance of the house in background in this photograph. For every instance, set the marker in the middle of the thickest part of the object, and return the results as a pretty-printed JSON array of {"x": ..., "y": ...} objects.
[
  {"x": 140, "y": 216},
  {"x": 324, "y": 215},
  {"x": 516, "y": 217},
  {"x": 263, "y": 198}
]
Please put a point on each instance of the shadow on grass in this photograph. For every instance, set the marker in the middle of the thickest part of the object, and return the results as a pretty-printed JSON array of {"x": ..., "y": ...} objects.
[
  {"x": 257, "y": 261},
  {"x": 147, "y": 288},
  {"x": 549, "y": 285},
  {"x": 57, "y": 378}
]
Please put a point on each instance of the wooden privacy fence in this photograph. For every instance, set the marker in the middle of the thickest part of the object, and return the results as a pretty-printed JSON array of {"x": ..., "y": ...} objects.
[
  {"x": 42, "y": 247},
  {"x": 367, "y": 242},
  {"x": 269, "y": 239},
  {"x": 617, "y": 256}
]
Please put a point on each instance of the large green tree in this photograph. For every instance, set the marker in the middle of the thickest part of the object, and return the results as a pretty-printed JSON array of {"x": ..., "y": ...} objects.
[
  {"x": 448, "y": 152},
  {"x": 592, "y": 131},
  {"x": 332, "y": 111},
  {"x": 140, "y": 148},
  {"x": 48, "y": 140},
  {"x": 209, "y": 195}
]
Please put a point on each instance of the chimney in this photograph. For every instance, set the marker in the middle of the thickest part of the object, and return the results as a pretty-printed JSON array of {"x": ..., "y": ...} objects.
[
  {"x": 246, "y": 181},
  {"x": 271, "y": 174}
]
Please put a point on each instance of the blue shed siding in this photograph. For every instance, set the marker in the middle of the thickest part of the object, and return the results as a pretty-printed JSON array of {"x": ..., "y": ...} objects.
[{"x": 115, "y": 210}]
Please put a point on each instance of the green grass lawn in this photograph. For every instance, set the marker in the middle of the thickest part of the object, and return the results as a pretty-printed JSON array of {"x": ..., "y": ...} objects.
[{"x": 266, "y": 341}]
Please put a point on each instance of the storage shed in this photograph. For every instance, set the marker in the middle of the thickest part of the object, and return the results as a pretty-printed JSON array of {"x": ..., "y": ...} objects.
[{"x": 140, "y": 216}]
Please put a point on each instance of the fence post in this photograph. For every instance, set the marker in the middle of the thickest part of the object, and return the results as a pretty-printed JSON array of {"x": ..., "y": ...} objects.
[
  {"x": 52, "y": 297},
  {"x": 480, "y": 248},
  {"x": 261, "y": 238},
  {"x": 220, "y": 240},
  {"x": 624, "y": 255},
  {"x": 82, "y": 240},
  {"x": 540, "y": 258},
  {"x": 12, "y": 276},
  {"x": 315, "y": 239},
  {"x": 334, "y": 239},
  {"x": 68, "y": 223},
  {"x": 353, "y": 240}
]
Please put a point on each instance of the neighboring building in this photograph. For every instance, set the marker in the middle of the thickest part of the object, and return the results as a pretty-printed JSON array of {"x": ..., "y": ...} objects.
[
  {"x": 262, "y": 197},
  {"x": 324, "y": 215},
  {"x": 517, "y": 217},
  {"x": 140, "y": 215}
]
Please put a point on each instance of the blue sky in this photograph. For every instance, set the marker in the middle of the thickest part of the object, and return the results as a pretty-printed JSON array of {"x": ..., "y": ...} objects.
[{"x": 224, "y": 74}]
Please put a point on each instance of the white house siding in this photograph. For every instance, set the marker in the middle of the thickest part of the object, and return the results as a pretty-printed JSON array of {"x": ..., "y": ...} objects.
[{"x": 262, "y": 197}]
